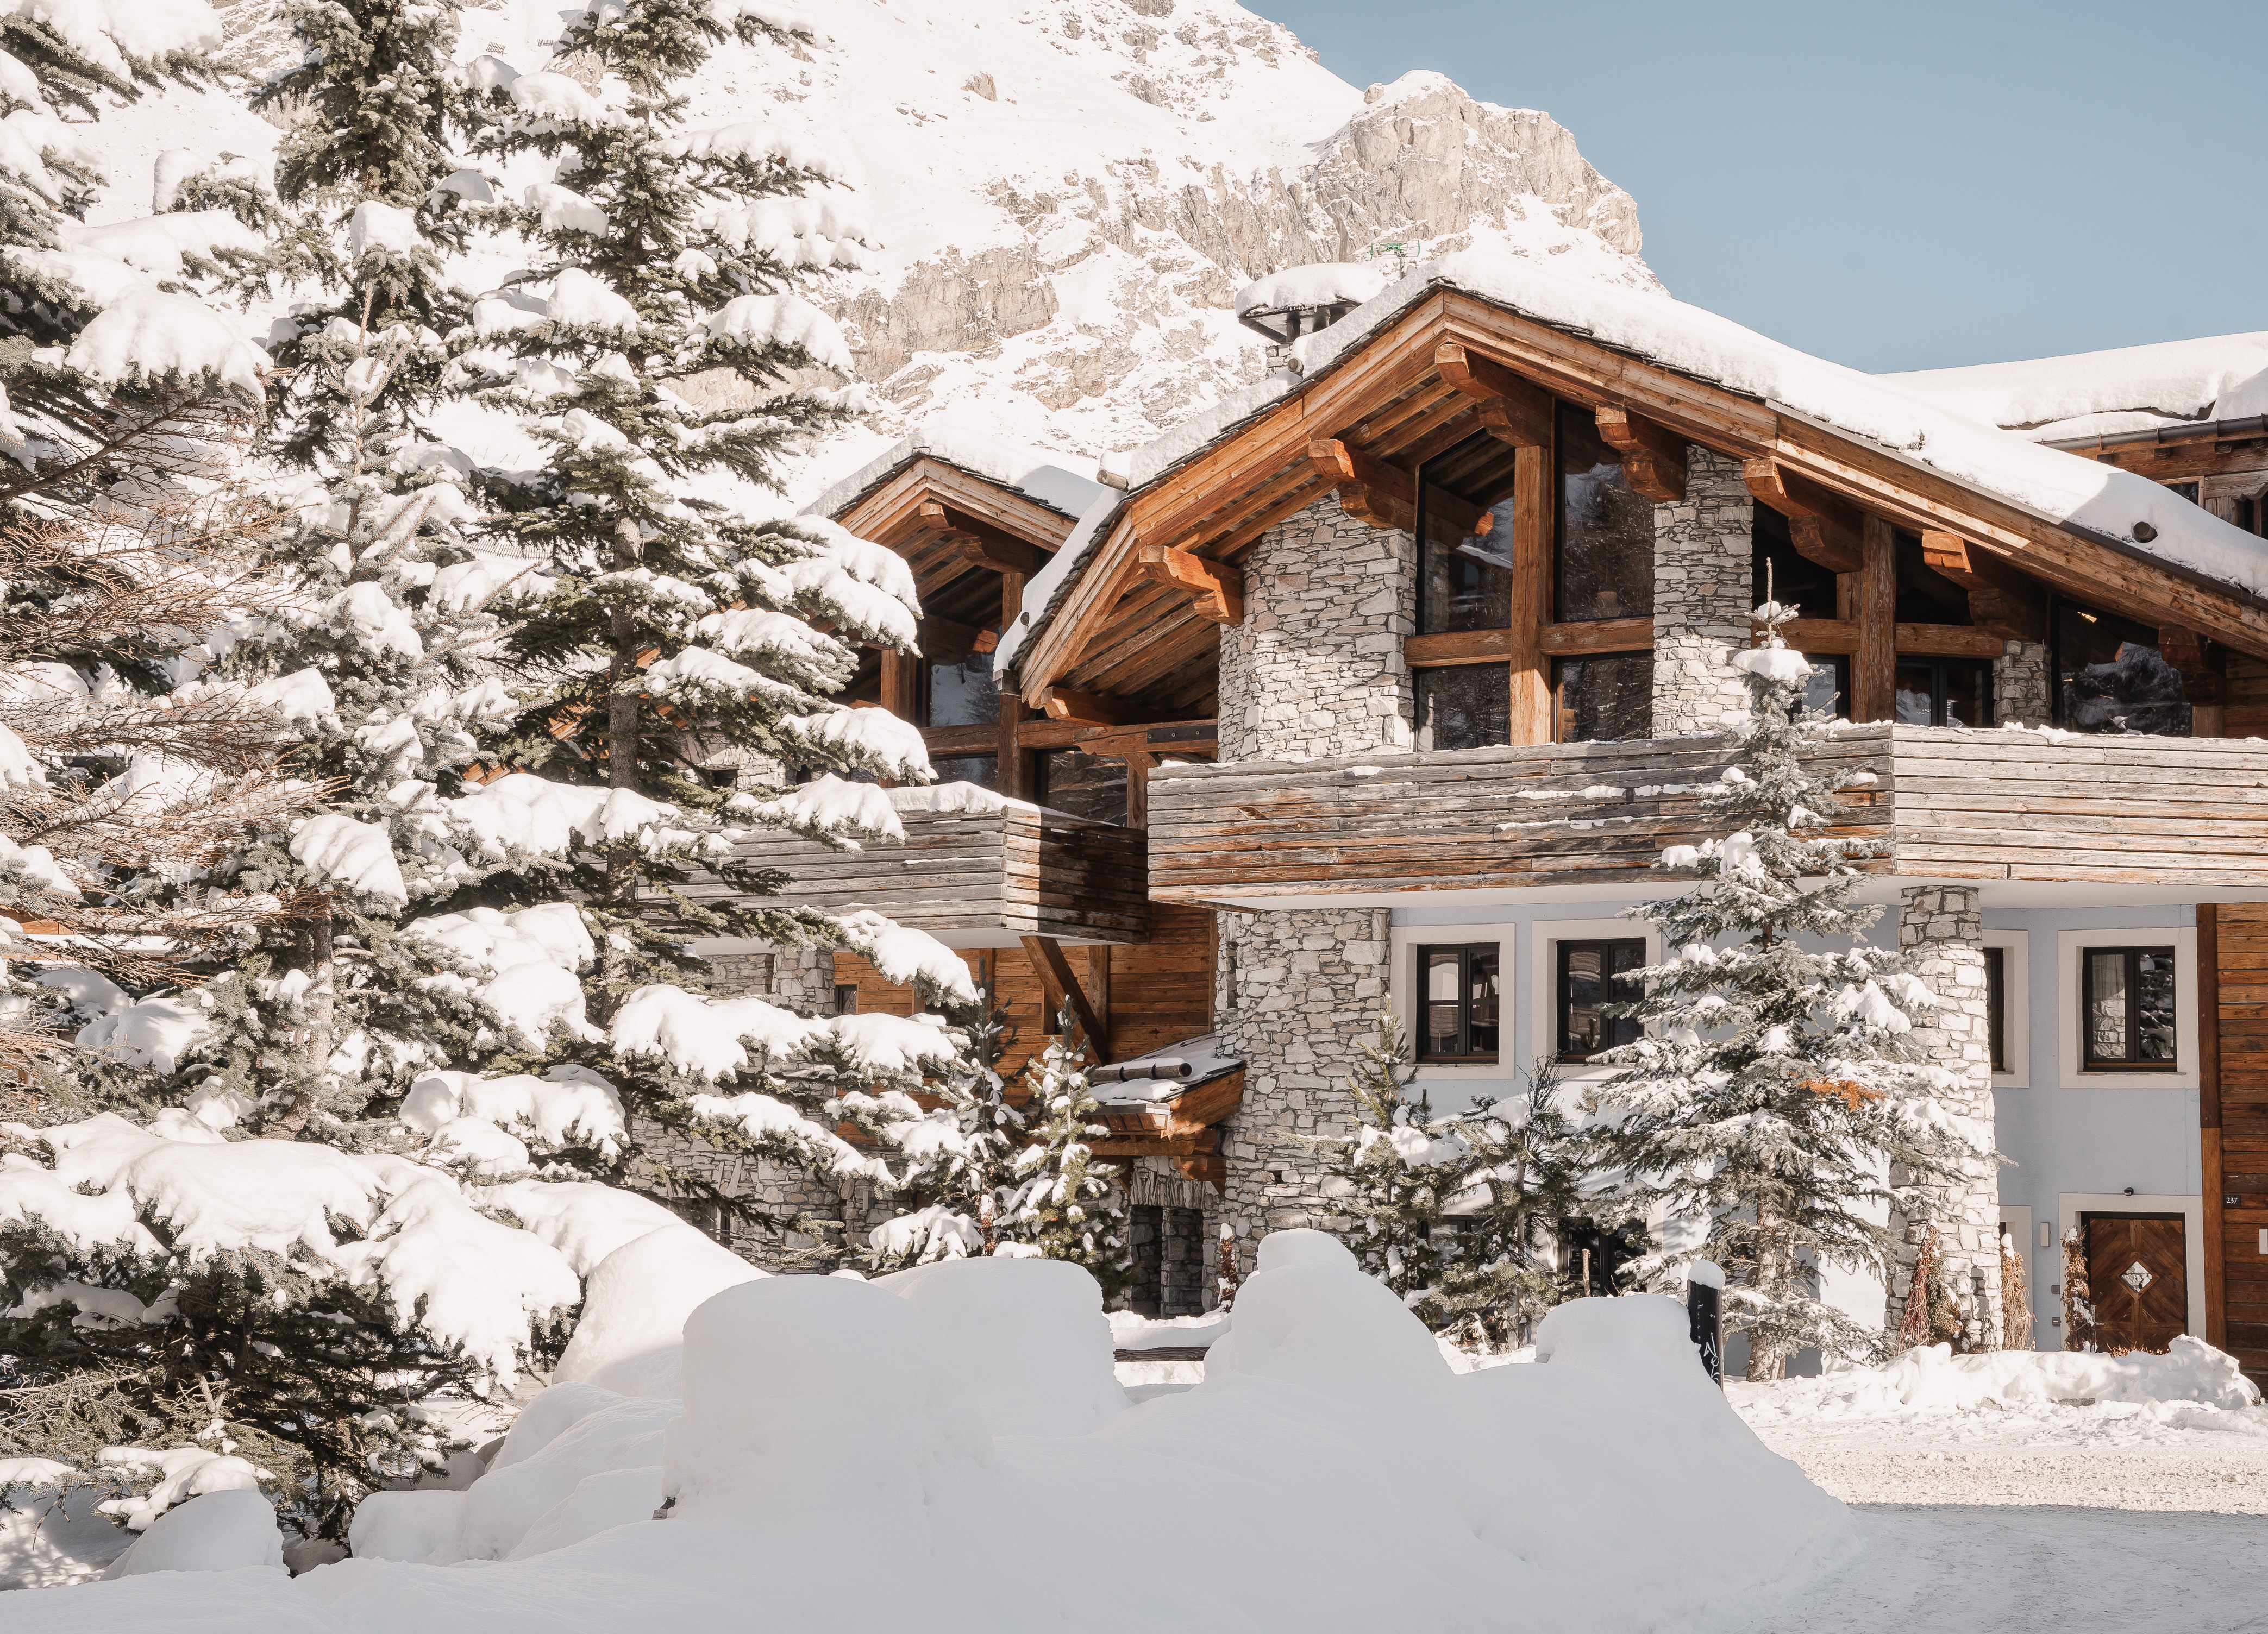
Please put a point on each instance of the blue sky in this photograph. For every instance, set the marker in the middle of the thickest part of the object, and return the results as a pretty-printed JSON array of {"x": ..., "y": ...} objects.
[{"x": 1892, "y": 186}]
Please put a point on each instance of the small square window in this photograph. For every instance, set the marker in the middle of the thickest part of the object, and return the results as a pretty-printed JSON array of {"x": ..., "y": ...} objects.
[
  {"x": 1592, "y": 975},
  {"x": 2127, "y": 1009},
  {"x": 1463, "y": 999},
  {"x": 846, "y": 998}
]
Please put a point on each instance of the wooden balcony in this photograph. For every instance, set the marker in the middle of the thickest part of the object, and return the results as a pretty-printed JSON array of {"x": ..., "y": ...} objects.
[
  {"x": 981, "y": 879},
  {"x": 2187, "y": 815}
]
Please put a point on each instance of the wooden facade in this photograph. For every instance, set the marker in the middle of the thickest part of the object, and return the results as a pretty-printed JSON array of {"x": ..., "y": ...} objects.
[{"x": 2188, "y": 813}]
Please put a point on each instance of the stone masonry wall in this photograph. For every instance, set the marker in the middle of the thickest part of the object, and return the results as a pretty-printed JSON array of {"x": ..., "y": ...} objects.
[
  {"x": 1316, "y": 667},
  {"x": 1702, "y": 566},
  {"x": 2019, "y": 684},
  {"x": 1301, "y": 994},
  {"x": 1942, "y": 926}
]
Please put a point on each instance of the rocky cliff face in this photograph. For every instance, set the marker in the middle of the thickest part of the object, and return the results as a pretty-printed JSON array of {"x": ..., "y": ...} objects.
[{"x": 1052, "y": 205}]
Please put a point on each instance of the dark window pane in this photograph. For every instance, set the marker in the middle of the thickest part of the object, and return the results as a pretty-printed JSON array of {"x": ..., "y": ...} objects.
[
  {"x": 2110, "y": 676},
  {"x": 2153, "y": 1004},
  {"x": 1605, "y": 699},
  {"x": 1464, "y": 706},
  {"x": 983, "y": 770},
  {"x": 1944, "y": 692},
  {"x": 1967, "y": 693},
  {"x": 1444, "y": 976},
  {"x": 1465, "y": 580},
  {"x": 1925, "y": 595},
  {"x": 2127, "y": 1007},
  {"x": 1592, "y": 975},
  {"x": 962, "y": 694},
  {"x": 1481, "y": 1002},
  {"x": 1917, "y": 694},
  {"x": 1606, "y": 532},
  {"x": 1083, "y": 784},
  {"x": 1996, "y": 1005},
  {"x": 1780, "y": 573},
  {"x": 1829, "y": 688}
]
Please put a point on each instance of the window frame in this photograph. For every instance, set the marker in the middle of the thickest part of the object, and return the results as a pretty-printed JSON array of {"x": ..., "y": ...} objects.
[
  {"x": 1545, "y": 935},
  {"x": 2013, "y": 947},
  {"x": 1560, "y": 949},
  {"x": 2131, "y": 955},
  {"x": 1465, "y": 951},
  {"x": 2071, "y": 1070},
  {"x": 1938, "y": 666}
]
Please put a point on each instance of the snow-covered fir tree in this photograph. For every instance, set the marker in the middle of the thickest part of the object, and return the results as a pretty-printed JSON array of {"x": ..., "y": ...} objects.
[
  {"x": 1777, "y": 1086},
  {"x": 1456, "y": 1214},
  {"x": 1059, "y": 1204},
  {"x": 959, "y": 1159}
]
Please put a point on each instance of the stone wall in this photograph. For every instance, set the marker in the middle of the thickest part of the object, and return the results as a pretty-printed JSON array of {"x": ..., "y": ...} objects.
[
  {"x": 1943, "y": 928},
  {"x": 1702, "y": 566},
  {"x": 1302, "y": 992},
  {"x": 2019, "y": 684},
  {"x": 1316, "y": 667}
]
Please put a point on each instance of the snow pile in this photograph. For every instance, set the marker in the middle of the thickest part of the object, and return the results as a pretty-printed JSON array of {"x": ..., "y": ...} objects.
[
  {"x": 635, "y": 1307},
  {"x": 2132, "y": 388},
  {"x": 1932, "y": 1379},
  {"x": 1321, "y": 284},
  {"x": 1351, "y": 1479},
  {"x": 219, "y": 1530}
]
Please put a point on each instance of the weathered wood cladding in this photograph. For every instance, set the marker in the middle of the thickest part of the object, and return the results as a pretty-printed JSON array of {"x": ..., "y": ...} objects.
[
  {"x": 2173, "y": 811},
  {"x": 2236, "y": 1197},
  {"x": 1023, "y": 872}
]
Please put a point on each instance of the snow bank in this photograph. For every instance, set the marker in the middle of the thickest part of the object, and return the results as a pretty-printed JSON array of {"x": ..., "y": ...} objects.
[
  {"x": 1027, "y": 1339},
  {"x": 1932, "y": 1379},
  {"x": 635, "y": 1307},
  {"x": 2221, "y": 377},
  {"x": 1338, "y": 1474},
  {"x": 214, "y": 1531}
]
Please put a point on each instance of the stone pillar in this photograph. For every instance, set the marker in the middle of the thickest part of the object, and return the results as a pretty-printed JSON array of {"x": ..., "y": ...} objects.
[
  {"x": 1942, "y": 930},
  {"x": 1305, "y": 991},
  {"x": 1315, "y": 669},
  {"x": 2019, "y": 684},
  {"x": 1702, "y": 565}
]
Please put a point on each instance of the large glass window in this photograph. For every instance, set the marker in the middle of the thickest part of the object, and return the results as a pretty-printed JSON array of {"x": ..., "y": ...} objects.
[
  {"x": 1605, "y": 698},
  {"x": 1592, "y": 975},
  {"x": 2126, "y": 1008},
  {"x": 2110, "y": 676},
  {"x": 983, "y": 770},
  {"x": 1829, "y": 688},
  {"x": 1465, "y": 577},
  {"x": 1926, "y": 596},
  {"x": 1944, "y": 692},
  {"x": 1462, "y": 1000},
  {"x": 962, "y": 693},
  {"x": 1605, "y": 560},
  {"x": 1778, "y": 570},
  {"x": 1464, "y": 706},
  {"x": 1083, "y": 784}
]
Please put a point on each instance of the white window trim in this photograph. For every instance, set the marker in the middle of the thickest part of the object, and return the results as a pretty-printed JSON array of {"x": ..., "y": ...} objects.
[
  {"x": 1403, "y": 943},
  {"x": 2015, "y": 983},
  {"x": 1543, "y": 981},
  {"x": 2068, "y": 943},
  {"x": 2071, "y": 1204}
]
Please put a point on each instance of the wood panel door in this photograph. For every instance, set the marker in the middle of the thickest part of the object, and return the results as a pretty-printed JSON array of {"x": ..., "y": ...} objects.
[{"x": 2138, "y": 1277}]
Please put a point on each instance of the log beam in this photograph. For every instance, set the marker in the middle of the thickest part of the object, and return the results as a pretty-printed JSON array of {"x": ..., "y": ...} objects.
[
  {"x": 1057, "y": 975},
  {"x": 1512, "y": 409},
  {"x": 1874, "y": 669},
  {"x": 1386, "y": 496},
  {"x": 1216, "y": 591},
  {"x": 1089, "y": 708},
  {"x": 1824, "y": 526},
  {"x": 1654, "y": 456},
  {"x": 2001, "y": 598},
  {"x": 979, "y": 543}
]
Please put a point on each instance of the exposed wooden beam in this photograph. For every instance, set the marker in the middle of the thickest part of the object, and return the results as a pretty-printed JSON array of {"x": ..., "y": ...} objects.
[
  {"x": 1654, "y": 456},
  {"x": 1459, "y": 646},
  {"x": 1062, "y": 704},
  {"x": 1512, "y": 409},
  {"x": 1216, "y": 591},
  {"x": 2001, "y": 598},
  {"x": 1947, "y": 640},
  {"x": 1606, "y": 635},
  {"x": 1386, "y": 496},
  {"x": 1535, "y": 504},
  {"x": 1047, "y": 956},
  {"x": 1823, "y": 526},
  {"x": 949, "y": 641},
  {"x": 1874, "y": 670},
  {"x": 979, "y": 543}
]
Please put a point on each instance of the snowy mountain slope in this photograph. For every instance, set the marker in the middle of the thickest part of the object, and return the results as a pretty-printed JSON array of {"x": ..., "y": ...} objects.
[{"x": 1049, "y": 208}]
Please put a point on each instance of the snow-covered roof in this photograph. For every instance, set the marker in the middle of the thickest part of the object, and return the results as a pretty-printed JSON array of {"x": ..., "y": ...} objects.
[
  {"x": 1321, "y": 283},
  {"x": 2084, "y": 495},
  {"x": 1192, "y": 1061},
  {"x": 2132, "y": 388},
  {"x": 1034, "y": 473}
]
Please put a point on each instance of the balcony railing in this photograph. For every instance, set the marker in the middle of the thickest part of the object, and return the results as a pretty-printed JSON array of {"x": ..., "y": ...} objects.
[{"x": 1996, "y": 804}]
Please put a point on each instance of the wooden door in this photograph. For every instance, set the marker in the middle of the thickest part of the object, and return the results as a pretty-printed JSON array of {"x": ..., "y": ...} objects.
[{"x": 2138, "y": 1278}]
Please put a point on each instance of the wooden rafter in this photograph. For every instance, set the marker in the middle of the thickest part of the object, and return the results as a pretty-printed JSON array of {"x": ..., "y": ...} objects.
[
  {"x": 1823, "y": 526},
  {"x": 979, "y": 543},
  {"x": 1060, "y": 981},
  {"x": 1654, "y": 456},
  {"x": 1216, "y": 593},
  {"x": 1386, "y": 496},
  {"x": 1512, "y": 409},
  {"x": 2001, "y": 598},
  {"x": 1062, "y": 704}
]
